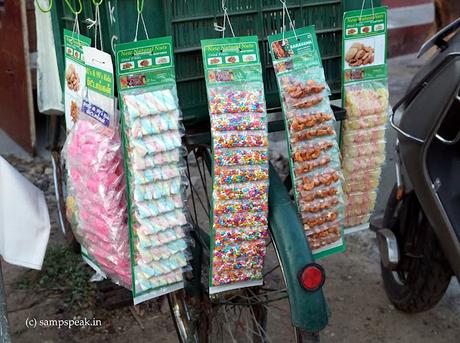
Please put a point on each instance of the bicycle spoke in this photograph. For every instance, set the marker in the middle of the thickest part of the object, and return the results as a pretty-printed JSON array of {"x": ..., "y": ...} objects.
[
  {"x": 189, "y": 176},
  {"x": 202, "y": 177},
  {"x": 271, "y": 270},
  {"x": 200, "y": 201}
]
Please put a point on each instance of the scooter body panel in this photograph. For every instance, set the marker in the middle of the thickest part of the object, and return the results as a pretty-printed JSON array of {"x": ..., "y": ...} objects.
[{"x": 423, "y": 166}]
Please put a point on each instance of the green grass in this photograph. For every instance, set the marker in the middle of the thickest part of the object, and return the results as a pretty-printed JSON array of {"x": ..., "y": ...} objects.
[{"x": 63, "y": 272}]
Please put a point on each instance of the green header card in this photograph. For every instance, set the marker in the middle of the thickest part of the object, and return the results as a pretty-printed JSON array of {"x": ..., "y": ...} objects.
[
  {"x": 144, "y": 63},
  {"x": 230, "y": 52},
  {"x": 229, "y": 60},
  {"x": 301, "y": 43},
  {"x": 73, "y": 45},
  {"x": 99, "y": 80},
  {"x": 364, "y": 47}
]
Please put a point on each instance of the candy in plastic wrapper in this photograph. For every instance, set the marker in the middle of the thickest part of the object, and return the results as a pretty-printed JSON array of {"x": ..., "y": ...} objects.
[
  {"x": 363, "y": 163},
  {"x": 324, "y": 238},
  {"x": 374, "y": 148},
  {"x": 239, "y": 122},
  {"x": 238, "y": 139},
  {"x": 354, "y": 138},
  {"x": 228, "y": 175},
  {"x": 150, "y": 225},
  {"x": 366, "y": 122},
  {"x": 237, "y": 206},
  {"x": 166, "y": 141},
  {"x": 227, "y": 99},
  {"x": 160, "y": 173},
  {"x": 151, "y": 125},
  {"x": 241, "y": 156},
  {"x": 248, "y": 190},
  {"x": 143, "y": 162},
  {"x": 248, "y": 219},
  {"x": 153, "y": 208},
  {"x": 366, "y": 98},
  {"x": 93, "y": 156},
  {"x": 234, "y": 236},
  {"x": 157, "y": 190},
  {"x": 149, "y": 103}
]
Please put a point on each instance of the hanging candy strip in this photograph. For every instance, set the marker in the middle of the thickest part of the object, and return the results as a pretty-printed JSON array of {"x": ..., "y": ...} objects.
[
  {"x": 240, "y": 161},
  {"x": 365, "y": 96},
  {"x": 313, "y": 149},
  {"x": 152, "y": 141}
]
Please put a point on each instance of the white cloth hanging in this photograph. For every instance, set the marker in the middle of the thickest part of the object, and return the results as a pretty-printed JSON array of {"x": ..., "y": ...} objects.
[
  {"x": 49, "y": 91},
  {"x": 24, "y": 219}
]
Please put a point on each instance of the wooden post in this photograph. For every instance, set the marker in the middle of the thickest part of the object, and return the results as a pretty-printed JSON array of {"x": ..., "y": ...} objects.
[{"x": 4, "y": 333}]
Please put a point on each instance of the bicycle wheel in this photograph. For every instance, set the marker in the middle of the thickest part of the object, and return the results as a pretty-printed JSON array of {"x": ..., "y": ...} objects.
[{"x": 255, "y": 314}]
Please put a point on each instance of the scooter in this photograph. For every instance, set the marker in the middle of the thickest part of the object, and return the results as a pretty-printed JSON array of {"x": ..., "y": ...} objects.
[{"x": 419, "y": 233}]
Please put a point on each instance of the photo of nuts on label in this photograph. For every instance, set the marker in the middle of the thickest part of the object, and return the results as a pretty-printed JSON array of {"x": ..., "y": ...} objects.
[
  {"x": 359, "y": 55},
  {"x": 72, "y": 78},
  {"x": 73, "y": 111}
]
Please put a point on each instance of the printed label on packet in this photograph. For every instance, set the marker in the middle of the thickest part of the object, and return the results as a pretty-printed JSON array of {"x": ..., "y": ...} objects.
[
  {"x": 364, "y": 45},
  {"x": 75, "y": 75},
  {"x": 96, "y": 112},
  {"x": 144, "y": 63},
  {"x": 99, "y": 102},
  {"x": 231, "y": 60}
]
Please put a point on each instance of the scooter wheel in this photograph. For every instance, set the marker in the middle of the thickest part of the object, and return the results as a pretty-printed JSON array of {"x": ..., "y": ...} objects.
[{"x": 423, "y": 274}]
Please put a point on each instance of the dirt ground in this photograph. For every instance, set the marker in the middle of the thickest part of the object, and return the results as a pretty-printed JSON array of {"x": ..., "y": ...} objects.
[{"x": 360, "y": 310}]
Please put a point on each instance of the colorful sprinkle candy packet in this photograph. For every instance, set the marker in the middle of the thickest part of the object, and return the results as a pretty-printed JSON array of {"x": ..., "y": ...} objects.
[
  {"x": 313, "y": 149},
  {"x": 365, "y": 97},
  {"x": 240, "y": 161},
  {"x": 154, "y": 166}
]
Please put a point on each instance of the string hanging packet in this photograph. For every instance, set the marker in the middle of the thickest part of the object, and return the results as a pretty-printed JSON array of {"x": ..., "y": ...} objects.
[
  {"x": 240, "y": 161},
  {"x": 95, "y": 166},
  {"x": 154, "y": 166},
  {"x": 365, "y": 96},
  {"x": 312, "y": 144}
]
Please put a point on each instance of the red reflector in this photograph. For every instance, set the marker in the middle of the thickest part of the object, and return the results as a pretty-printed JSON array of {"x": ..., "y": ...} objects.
[{"x": 312, "y": 277}]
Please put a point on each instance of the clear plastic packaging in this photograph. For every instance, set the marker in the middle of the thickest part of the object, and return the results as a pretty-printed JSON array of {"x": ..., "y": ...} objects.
[
  {"x": 229, "y": 175},
  {"x": 313, "y": 133},
  {"x": 332, "y": 234},
  {"x": 375, "y": 148},
  {"x": 366, "y": 122},
  {"x": 353, "y": 138},
  {"x": 319, "y": 205},
  {"x": 324, "y": 161},
  {"x": 308, "y": 151},
  {"x": 93, "y": 155},
  {"x": 366, "y": 98},
  {"x": 310, "y": 123},
  {"x": 240, "y": 156},
  {"x": 318, "y": 193},
  {"x": 313, "y": 220},
  {"x": 245, "y": 97},
  {"x": 240, "y": 161},
  {"x": 238, "y": 139},
  {"x": 356, "y": 220},
  {"x": 318, "y": 178},
  {"x": 236, "y": 206},
  {"x": 153, "y": 147},
  {"x": 247, "y": 219},
  {"x": 363, "y": 163},
  {"x": 239, "y": 122},
  {"x": 239, "y": 191}
]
